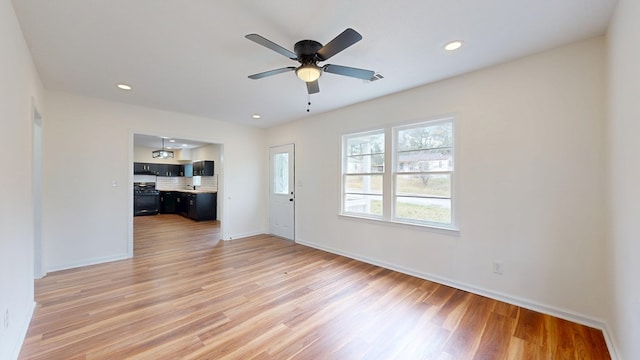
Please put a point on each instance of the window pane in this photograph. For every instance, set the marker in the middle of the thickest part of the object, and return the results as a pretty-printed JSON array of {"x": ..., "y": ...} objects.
[
  {"x": 365, "y": 144},
  {"x": 364, "y": 184},
  {"x": 281, "y": 173},
  {"x": 425, "y": 137},
  {"x": 425, "y": 160},
  {"x": 421, "y": 209},
  {"x": 365, "y": 164},
  {"x": 363, "y": 204},
  {"x": 438, "y": 185}
]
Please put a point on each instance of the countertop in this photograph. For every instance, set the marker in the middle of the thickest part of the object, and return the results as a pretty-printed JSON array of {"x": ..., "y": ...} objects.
[{"x": 199, "y": 191}]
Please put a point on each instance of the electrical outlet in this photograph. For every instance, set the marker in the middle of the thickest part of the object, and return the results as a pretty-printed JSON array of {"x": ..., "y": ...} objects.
[
  {"x": 6, "y": 319},
  {"x": 498, "y": 267}
]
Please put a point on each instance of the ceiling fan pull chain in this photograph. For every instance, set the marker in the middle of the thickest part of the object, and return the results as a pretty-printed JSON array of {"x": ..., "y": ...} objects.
[{"x": 308, "y": 101}]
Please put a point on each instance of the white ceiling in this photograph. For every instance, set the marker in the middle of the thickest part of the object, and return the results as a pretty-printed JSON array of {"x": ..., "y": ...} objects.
[
  {"x": 191, "y": 56},
  {"x": 170, "y": 143}
]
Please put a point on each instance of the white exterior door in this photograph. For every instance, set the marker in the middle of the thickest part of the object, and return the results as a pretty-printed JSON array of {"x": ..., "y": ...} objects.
[{"x": 281, "y": 191}]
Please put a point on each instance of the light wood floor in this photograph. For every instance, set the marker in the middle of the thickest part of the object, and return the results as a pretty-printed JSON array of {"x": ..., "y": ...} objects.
[{"x": 186, "y": 295}]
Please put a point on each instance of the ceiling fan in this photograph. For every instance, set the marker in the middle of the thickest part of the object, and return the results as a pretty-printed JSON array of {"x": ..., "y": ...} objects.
[{"x": 308, "y": 53}]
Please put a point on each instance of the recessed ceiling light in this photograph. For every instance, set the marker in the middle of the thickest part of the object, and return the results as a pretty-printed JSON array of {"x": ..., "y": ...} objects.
[
  {"x": 172, "y": 140},
  {"x": 256, "y": 116},
  {"x": 124, "y": 86},
  {"x": 453, "y": 45},
  {"x": 184, "y": 145}
]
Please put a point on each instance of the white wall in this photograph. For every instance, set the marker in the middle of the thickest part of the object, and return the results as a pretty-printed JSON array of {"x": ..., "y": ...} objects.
[
  {"x": 208, "y": 152},
  {"x": 530, "y": 172},
  {"x": 86, "y": 219},
  {"x": 624, "y": 191},
  {"x": 20, "y": 83},
  {"x": 143, "y": 154},
  {"x": 204, "y": 152}
]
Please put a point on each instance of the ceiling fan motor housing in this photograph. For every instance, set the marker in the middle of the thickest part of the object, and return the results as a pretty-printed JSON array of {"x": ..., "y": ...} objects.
[{"x": 307, "y": 51}]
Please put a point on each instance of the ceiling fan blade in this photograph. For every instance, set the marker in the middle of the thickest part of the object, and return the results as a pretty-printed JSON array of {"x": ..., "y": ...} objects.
[
  {"x": 349, "y": 71},
  {"x": 271, "y": 45},
  {"x": 339, "y": 43},
  {"x": 271, "y": 72},
  {"x": 312, "y": 87}
]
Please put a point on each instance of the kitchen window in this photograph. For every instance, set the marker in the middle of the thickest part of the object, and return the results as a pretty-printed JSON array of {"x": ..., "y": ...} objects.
[{"x": 412, "y": 186}]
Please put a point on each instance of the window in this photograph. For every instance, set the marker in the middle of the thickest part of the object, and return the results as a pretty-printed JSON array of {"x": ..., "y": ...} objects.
[
  {"x": 362, "y": 173},
  {"x": 422, "y": 172},
  {"x": 414, "y": 185}
]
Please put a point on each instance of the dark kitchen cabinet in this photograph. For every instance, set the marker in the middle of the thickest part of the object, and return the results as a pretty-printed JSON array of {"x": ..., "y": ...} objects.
[
  {"x": 203, "y": 168},
  {"x": 181, "y": 203},
  {"x": 199, "y": 207},
  {"x": 192, "y": 206},
  {"x": 169, "y": 202},
  {"x": 158, "y": 169},
  {"x": 145, "y": 168},
  {"x": 162, "y": 169},
  {"x": 170, "y": 170}
]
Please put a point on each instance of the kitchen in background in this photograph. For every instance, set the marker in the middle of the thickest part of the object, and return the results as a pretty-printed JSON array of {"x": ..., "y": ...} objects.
[{"x": 185, "y": 184}]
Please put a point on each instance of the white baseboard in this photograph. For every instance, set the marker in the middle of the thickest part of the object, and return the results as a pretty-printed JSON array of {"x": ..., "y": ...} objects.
[
  {"x": 88, "y": 262},
  {"x": 527, "y": 304},
  {"x": 611, "y": 345},
  {"x": 244, "y": 235}
]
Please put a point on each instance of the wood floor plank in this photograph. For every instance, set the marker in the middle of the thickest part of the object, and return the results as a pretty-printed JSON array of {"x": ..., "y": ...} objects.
[
  {"x": 492, "y": 344},
  {"x": 187, "y": 295}
]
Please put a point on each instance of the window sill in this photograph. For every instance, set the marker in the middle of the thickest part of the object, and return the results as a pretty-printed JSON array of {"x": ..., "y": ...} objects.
[{"x": 406, "y": 225}]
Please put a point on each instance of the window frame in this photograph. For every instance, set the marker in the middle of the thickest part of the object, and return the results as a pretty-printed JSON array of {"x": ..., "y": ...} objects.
[
  {"x": 394, "y": 172},
  {"x": 389, "y": 190},
  {"x": 344, "y": 173}
]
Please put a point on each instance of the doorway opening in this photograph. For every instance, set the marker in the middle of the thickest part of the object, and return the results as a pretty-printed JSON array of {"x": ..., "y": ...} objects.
[{"x": 183, "y": 188}]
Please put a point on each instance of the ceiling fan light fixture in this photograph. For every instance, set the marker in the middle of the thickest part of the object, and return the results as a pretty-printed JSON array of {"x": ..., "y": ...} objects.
[{"x": 308, "y": 72}]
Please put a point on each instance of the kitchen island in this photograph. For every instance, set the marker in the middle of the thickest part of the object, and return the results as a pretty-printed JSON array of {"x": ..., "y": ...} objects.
[{"x": 197, "y": 205}]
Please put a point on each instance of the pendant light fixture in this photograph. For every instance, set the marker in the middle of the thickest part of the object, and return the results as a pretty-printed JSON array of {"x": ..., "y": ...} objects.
[{"x": 162, "y": 154}]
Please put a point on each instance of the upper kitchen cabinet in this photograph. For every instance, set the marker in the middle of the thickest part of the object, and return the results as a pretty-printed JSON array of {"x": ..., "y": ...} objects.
[
  {"x": 145, "y": 168},
  {"x": 170, "y": 170},
  {"x": 158, "y": 169},
  {"x": 203, "y": 168}
]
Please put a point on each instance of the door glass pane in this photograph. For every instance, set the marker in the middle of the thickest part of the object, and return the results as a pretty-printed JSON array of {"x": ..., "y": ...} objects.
[{"x": 281, "y": 173}]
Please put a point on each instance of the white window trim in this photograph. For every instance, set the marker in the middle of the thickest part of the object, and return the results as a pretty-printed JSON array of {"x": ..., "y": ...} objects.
[
  {"x": 344, "y": 174},
  {"x": 388, "y": 192}
]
